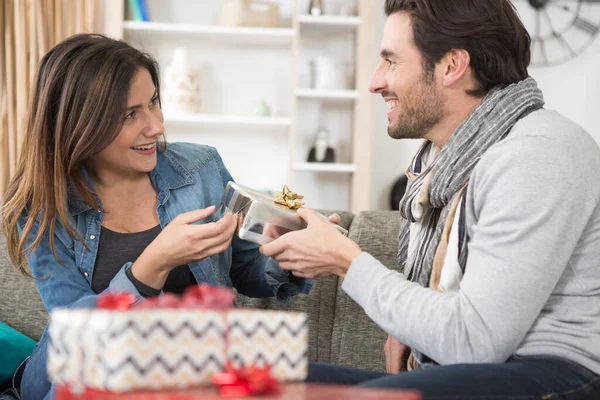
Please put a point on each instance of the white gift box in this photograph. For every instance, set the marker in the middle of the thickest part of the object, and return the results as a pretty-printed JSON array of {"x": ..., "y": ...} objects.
[
  {"x": 157, "y": 349},
  {"x": 128, "y": 350}
]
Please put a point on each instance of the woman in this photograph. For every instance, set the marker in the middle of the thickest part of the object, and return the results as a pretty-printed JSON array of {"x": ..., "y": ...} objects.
[{"x": 98, "y": 203}]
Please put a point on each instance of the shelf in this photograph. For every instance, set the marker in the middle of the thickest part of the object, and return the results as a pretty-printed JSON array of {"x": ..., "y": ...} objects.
[
  {"x": 215, "y": 119},
  {"x": 325, "y": 167},
  {"x": 330, "y": 21},
  {"x": 250, "y": 34},
  {"x": 327, "y": 94}
]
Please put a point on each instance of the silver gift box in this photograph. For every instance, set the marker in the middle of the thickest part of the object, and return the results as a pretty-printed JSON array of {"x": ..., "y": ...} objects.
[{"x": 260, "y": 219}]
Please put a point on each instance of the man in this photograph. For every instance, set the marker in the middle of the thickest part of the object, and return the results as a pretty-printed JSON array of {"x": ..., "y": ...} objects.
[{"x": 500, "y": 232}]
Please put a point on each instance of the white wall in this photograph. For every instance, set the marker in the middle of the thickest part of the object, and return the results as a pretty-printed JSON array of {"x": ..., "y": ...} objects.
[
  {"x": 390, "y": 156},
  {"x": 572, "y": 88}
]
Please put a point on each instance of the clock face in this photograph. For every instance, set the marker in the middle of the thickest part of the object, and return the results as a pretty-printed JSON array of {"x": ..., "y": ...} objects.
[{"x": 559, "y": 29}]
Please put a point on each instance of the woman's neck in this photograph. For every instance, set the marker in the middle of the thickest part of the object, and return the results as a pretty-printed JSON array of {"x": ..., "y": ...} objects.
[
  {"x": 129, "y": 202},
  {"x": 117, "y": 182}
]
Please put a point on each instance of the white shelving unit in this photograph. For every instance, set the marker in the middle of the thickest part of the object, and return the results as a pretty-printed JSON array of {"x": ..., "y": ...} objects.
[
  {"x": 208, "y": 119},
  {"x": 243, "y": 64},
  {"x": 327, "y": 94},
  {"x": 324, "y": 167},
  {"x": 332, "y": 21},
  {"x": 343, "y": 112},
  {"x": 282, "y": 36}
]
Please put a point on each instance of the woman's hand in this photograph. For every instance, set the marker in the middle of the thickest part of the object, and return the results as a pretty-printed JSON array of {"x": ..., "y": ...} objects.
[{"x": 183, "y": 242}]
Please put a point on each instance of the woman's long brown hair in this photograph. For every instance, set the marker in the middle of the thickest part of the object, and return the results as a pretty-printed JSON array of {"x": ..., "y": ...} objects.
[{"x": 76, "y": 110}]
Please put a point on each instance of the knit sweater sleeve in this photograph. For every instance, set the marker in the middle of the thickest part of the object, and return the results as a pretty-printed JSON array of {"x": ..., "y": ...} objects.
[{"x": 530, "y": 201}]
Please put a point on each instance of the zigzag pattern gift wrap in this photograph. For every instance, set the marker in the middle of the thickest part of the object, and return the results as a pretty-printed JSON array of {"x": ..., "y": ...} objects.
[
  {"x": 269, "y": 338},
  {"x": 171, "y": 343},
  {"x": 128, "y": 350}
]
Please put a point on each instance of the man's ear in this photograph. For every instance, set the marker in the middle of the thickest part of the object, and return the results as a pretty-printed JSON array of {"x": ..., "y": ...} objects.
[{"x": 455, "y": 64}]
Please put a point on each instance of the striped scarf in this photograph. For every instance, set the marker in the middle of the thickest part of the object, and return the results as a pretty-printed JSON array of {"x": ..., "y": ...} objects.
[{"x": 435, "y": 191}]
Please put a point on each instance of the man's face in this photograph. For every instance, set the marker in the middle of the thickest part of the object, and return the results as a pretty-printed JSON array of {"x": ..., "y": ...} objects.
[{"x": 414, "y": 102}]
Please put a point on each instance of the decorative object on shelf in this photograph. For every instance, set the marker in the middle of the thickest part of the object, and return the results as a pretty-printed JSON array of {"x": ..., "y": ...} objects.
[
  {"x": 348, "y": 11},
  {"x": 289, "y": 198},
  {"x": 262, "y": 109},
  {"x": 249, "y": 13},
  {"x": 321, "y": 152},
  {"x": 139, "y": 10},
  {"x": 181, "y": 93},
  {"x": 316, "y": 8},
  {"x": 306, "y": 74},
  {"x": 328, "y": 73}
]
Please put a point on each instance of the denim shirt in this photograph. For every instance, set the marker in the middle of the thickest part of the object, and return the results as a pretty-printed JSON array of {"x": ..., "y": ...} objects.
[{"x": 187, "y": 177}]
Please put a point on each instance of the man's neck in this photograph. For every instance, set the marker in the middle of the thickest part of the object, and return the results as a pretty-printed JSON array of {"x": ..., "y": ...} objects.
[{"x": 457, "y": 111}]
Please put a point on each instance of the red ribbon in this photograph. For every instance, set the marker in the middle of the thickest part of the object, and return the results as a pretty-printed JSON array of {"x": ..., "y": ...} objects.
[
  {"x": 116, "y": 301},
  {"x": 207, "y": 296},
  {"x": 197, "y": 296},
  {"x": 250, "y": 380}
]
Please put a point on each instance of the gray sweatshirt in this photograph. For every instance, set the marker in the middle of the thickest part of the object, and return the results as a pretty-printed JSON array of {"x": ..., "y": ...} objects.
[{"x": 532, "y": 280}]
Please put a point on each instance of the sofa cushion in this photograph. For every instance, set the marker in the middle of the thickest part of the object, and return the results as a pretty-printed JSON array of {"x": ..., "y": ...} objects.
[
  {"x": 356, "y": 340},
  {"x": 20, "y": 303},
  {"x": 16, "y": 347},
  {"x": 318, "y": 304}
]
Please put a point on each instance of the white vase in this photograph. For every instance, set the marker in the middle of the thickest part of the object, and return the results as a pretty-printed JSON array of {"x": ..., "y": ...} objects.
[
  {"x": 315, "y": 8},
  {"x": 181, "y": 85},
  {"x": 331, "y": 74}
]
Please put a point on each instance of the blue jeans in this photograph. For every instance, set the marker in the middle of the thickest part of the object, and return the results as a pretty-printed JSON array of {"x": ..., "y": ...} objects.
[
  {"x": 530, "y": 378},
  {"x": 34, "y": 383}
]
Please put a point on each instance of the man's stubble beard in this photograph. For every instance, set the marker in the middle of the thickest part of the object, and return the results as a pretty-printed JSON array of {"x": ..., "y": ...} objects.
[{"x": 422, "y": 108}]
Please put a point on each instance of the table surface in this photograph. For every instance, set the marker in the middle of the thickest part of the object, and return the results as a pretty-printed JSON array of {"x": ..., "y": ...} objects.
[{"x": 293, "y": 391}]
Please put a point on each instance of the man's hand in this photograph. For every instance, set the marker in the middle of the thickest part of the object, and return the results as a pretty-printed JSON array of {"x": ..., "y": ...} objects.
[
  {"x": 274, "y": 231},
  {"x": 317, "y": 251},
  {"x": 394, "y": 352}
]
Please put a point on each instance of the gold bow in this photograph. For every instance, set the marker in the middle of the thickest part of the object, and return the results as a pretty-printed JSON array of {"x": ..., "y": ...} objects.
[{"x": 289, "y": 199}]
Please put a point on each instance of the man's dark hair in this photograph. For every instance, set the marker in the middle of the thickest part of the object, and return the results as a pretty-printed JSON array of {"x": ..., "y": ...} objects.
[{"x": 490, "y": 30}]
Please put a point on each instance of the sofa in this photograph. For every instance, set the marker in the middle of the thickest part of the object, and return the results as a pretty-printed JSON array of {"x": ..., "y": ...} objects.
[{"x": 339, "y": 330}]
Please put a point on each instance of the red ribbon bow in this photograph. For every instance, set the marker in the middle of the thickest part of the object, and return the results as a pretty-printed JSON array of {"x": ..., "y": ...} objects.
[
  {"x": 197, "y": 296},
  {"x": 250, "y": 380},
  {"x": 207, "y": 296}
]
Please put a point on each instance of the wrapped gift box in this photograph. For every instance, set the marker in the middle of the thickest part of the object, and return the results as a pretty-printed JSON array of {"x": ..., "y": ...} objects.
[
  {"x": 269, "y": 338},
  {"x": 260, "y": 219},
  {"x": 180, "y": 347},
  {"x": 137, "y": 349}
]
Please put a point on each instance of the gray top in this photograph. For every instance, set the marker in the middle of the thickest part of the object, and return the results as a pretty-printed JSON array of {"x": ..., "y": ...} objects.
[
  {"x": 532, "y": 280},
  {"x": 115, "y": 249}
]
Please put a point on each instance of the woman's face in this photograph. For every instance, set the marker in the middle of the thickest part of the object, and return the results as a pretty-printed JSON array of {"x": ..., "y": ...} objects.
[{"x": 133, "y": 152}]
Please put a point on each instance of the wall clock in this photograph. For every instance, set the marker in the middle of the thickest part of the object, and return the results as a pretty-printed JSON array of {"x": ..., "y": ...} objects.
[{"x": 560, "y": 29}]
